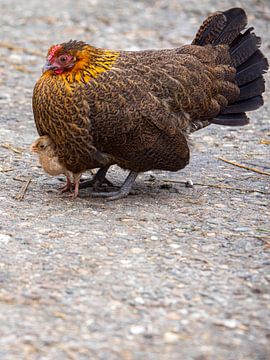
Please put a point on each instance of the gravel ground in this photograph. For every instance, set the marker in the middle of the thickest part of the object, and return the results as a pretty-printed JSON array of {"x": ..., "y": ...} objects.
[{"x": 168, "y": 273}]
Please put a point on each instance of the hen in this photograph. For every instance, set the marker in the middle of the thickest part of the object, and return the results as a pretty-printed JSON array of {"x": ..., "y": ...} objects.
[
  {"x": 137, "y": 109},
  {"x": 49, "y": 161}
]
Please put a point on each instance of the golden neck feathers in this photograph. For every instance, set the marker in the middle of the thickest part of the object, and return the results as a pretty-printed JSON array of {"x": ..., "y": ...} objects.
[{"x": 90, "y": 63}]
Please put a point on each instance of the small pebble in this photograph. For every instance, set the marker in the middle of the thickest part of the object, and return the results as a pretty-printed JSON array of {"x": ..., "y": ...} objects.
[
  {"x": 137, "y": 330},
  {"x": 139, "y": 300},
  {"x": 175, "y": 246},
  {"x": 165, "y": 186},
  {"x": 136, "y": 250},
  {"x": 170, "y": 337},
  {"x": 189, "y": 183},
  {"x": 228, "y": 323},
  {"x": 4, "y": 239},
  {"x": 242, "y": 229}
]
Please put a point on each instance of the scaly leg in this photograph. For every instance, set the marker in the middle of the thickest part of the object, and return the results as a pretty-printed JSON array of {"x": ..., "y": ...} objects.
[
  {"x": 98, "y": 180},
  {"x": 77, "y": 184},
  {"x": 67, "y": 186},
  {"x": 76, "y": 181},
  {"x": 122, "y": 192}
]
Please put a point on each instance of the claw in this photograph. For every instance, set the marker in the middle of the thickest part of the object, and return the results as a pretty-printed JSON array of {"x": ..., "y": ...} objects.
[
  {"x": 122, "y": 192},
  {"x": 98, "y": 181}
]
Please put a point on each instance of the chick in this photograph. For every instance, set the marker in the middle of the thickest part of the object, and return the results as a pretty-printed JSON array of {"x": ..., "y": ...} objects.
[{"x": 45, "y": 148}]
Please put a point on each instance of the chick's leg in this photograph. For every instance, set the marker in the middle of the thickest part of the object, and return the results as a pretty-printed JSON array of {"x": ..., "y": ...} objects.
[
  {"x": 75, "y": 184},
  {"x": 67, "y": 186},
  {"x": 99, "y": 179},
  {"x": 76, "y": 179},
  {"x": 122, "y": 192}
]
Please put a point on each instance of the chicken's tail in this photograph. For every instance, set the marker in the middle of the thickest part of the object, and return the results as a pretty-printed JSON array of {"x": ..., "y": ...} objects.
[{"x": 224, "y": 28}]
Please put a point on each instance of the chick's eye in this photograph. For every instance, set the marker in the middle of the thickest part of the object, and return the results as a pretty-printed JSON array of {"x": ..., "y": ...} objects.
[{"x": 41, "y": 146}]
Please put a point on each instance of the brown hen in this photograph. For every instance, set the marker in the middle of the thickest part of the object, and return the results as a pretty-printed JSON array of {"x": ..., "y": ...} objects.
[{"x": 137, "y": 109}]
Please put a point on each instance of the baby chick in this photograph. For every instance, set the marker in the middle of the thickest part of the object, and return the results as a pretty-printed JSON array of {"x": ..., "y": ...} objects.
[{"x": 48, "y": 159}]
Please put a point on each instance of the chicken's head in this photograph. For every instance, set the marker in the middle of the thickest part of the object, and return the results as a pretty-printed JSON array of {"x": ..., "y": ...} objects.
[
  {"x": 78, "y": 62},
  {"x": 63, "y": 57}
]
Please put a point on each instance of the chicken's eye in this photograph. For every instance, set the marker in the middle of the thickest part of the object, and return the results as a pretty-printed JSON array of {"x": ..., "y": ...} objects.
[
  {"x": 42, "y": 146},
  {"x": 63, "y": 59}
]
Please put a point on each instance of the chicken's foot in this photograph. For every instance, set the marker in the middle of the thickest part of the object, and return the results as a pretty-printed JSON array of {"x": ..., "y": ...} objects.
[
  {"x": 99, "y": 179},
  {"x": 122, "y": 192}
]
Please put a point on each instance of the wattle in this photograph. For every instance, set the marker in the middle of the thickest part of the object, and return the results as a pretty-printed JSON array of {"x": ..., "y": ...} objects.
[{"x": 58, "y": 71}]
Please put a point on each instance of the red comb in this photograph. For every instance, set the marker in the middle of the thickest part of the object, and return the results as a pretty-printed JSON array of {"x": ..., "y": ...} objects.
[{"x": 53, "y": 51}]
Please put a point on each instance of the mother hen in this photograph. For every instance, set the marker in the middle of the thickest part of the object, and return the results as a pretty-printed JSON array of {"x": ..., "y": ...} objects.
[{"x": 137, "y": 109}]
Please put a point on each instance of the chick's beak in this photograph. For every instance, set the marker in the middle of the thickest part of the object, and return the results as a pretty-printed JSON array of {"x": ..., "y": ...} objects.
[
  {"x": 48, "y": 66},
  {"x": 33, "y": 148}
]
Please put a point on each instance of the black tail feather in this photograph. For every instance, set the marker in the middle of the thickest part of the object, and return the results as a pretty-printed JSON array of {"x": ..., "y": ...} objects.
[
  {"x": 236, "y": 21},
  {"x": 253, "y": 68},
  {"x": 225, "y": 28},
  {"x": 245, "y": 105},
  {"x": 254, "y": 88},
  {"x": 221, "y": 27},
  {"x": 238, "y": 119},
  {"x": 244, "y": 47}
]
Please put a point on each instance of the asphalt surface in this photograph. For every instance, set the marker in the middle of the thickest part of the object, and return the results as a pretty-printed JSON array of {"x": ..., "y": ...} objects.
[{"x": 169, "y": 273}]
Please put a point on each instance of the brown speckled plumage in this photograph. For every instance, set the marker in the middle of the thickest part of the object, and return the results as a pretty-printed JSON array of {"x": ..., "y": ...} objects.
[{"x": 136, "y": 109}]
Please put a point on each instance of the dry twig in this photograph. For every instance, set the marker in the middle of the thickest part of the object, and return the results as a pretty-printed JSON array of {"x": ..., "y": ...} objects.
[
  {"x": 244, "y": 166},
  {"x": 202, "y": 260},
  {"x": 23, "y": 69},
  {"x": 6, "y": 170},
  {"x": 265, "y": 142},
  {"x": 23, "y": 190},
  {"x": 219, "y": 186},
  {"x": 266, "y": 243},
  {"x": 12, "y": 148},
  {"x": 20, "y": 49},
  {"x": 18, "y": 179}
]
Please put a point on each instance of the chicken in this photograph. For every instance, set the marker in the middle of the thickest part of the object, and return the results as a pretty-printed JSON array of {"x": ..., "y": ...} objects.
[
  {"x": 138, "y": 109},
  {"x": 48, "y": 159}
]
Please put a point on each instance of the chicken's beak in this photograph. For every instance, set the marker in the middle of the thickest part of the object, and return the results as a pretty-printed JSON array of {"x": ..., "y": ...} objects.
[{"x": 48, "y": 66}]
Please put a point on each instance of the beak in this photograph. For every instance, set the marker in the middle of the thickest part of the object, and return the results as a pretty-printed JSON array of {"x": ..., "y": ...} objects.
[
  {"x": 33, "y": 149},
  {"x": 48, "y": 66}
]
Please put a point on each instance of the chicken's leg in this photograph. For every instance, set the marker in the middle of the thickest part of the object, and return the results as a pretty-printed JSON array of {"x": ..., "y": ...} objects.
[
  {"x": 122, "y": 192},
  {"x": 99, "y": 179}
]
